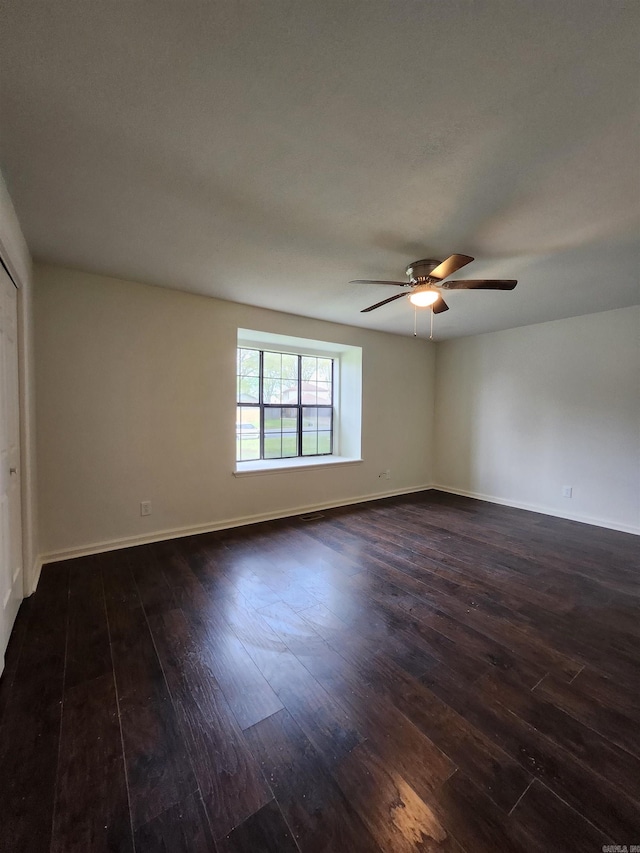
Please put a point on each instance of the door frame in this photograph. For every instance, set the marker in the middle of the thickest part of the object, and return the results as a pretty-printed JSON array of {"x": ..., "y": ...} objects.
[{"x": 20, "y": 275}]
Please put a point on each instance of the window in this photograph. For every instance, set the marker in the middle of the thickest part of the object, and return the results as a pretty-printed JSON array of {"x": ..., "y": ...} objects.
[
  {"x": 298, "y": 404},
  {"x": 285, "y": 405}
]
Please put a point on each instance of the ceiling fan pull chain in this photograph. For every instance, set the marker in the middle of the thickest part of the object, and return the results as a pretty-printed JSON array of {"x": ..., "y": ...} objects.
[
  {"x": 415, "y": 322},
  {"x": 431, "y": 328}
]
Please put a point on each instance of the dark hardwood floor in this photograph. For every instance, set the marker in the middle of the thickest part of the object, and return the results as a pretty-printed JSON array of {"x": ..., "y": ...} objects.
[{"x": 415, "y": 674}]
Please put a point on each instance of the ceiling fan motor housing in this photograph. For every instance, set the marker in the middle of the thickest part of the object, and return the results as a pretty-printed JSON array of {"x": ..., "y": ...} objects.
[{"x": 419, "y": 271}]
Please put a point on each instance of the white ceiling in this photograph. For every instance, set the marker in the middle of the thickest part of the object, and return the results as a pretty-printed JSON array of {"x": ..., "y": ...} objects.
[{"x": 268, "y": 152}]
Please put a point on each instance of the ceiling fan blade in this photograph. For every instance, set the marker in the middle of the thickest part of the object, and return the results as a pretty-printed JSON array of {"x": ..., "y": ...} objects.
[
  {"x": 384, "y": 302},
  {"x": 480, "y": 284},
  {"x": 439, "y": 306},
  {"x": 368, "y": 281},
  {"x": 451, "y": 265}
]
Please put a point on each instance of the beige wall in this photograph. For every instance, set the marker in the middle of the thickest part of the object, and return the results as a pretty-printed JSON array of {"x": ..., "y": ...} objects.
[
  {"x": 135, "y": 389},
  {"x": 521, "y": 413},
  {"x": 16, "y": 256}
]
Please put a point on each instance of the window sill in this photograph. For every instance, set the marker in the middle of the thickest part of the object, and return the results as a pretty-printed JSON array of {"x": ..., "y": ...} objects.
[{"x": 278, "y": 466}]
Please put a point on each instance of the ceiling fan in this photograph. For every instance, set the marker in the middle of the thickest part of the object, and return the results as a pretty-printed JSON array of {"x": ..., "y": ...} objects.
[{"x": 426, "y": 279}]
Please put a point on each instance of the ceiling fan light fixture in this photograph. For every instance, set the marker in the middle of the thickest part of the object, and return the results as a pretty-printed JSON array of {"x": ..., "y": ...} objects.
[
  {"x": 427, "y": 276},
  {"x": 423, "y": 296}
]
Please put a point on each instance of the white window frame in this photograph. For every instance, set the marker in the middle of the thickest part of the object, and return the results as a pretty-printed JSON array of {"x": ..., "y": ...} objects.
[{"x": 347, "y": 401}]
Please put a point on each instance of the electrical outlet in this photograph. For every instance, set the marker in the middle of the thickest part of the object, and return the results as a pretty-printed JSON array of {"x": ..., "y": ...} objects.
[
  {"x": 145, "y": 508},
  {"x": 567, "y": 492}
]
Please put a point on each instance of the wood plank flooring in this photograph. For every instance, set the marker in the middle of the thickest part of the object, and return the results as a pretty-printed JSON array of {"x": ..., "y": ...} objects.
[{"x": 421, "y": 673}]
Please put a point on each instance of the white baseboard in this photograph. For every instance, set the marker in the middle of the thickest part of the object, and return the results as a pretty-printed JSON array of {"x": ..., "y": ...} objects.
[
  {"x": 31, "y": 583},
  {"x": 211, "y": 527},
  {"x": 192, "y": 530},
  {"x": 584, "y": 519}
]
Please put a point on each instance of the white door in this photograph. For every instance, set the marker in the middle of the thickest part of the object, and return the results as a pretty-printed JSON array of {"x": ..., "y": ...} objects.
[{"x": 11, "y": 587}]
